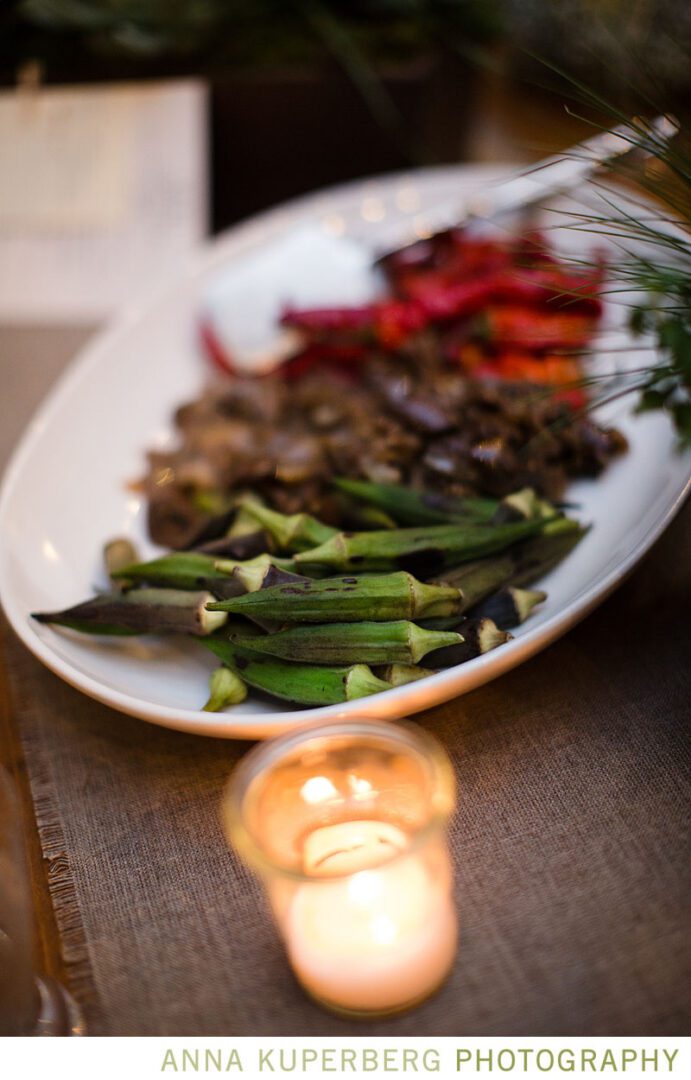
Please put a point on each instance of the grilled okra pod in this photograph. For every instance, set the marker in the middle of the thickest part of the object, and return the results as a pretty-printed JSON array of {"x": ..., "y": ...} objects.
[
  {"x": 351, "y": 643},
  {"x": 537, "y": 556},
  {"x": 304, "y": 684},
  {"x": 141, "y": 611},
  {"x": 410, "y": 507},
  {"x": 519, "y": 565},
  {"x": 179, "y": 570},
  {"x": 371, "y": 597},
  {"x": 425, "y": 551}
]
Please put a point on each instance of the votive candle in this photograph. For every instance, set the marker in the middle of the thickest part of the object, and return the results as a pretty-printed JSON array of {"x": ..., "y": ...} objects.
[{"x": 346, "y": 825}]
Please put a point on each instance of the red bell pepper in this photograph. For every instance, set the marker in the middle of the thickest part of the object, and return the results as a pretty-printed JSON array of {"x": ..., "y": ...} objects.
[
  {"x": 214, "y": 349},
  {"x": 534, "y": 330}
]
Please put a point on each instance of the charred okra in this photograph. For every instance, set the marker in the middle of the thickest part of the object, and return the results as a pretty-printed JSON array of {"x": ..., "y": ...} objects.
[
  {"x": 479, "y": 636},
  {"x": 141, "y": 611},
  {"x": 510, "y": 607}
]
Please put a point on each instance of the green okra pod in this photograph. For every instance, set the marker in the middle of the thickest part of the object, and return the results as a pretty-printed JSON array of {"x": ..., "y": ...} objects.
[
  {"x": 479, "y": 578},
  {"x": 424, "y": 551},
  {"x": 370, "y": 597},
  {"x": 140, "y": 611},
  {"x": 407, "y": 506},
  {"x": 294, "y": 532},
  {"x": 351, "y": 643},
  {"x": 179, "y": 570},
  {"x": 538, "y": 556},
  {"x": 521, "y": 564},
  {"x": 225, "y": 688},
  {"x": 304, "y": 684}
]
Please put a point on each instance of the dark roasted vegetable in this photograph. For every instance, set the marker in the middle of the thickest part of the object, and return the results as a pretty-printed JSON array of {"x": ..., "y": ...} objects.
[
  {"x": 141, "y": 611},
  {"x": 479, "y": 636},
  {"x": 510, "y": 607}
]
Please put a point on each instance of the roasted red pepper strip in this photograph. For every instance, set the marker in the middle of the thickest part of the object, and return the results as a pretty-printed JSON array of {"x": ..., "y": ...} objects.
[
  {"x": 442, "y": 301},
  {"x": 557, "y": 371},
  {"x": 323, "y": 321},
  {"x": 214, "y": 349},
  {"x": 532, "y": 330},
  {"x": 387, "y": 323},
  {"x": 552, "y": 287},
  {"x": 342, "y": 360}
]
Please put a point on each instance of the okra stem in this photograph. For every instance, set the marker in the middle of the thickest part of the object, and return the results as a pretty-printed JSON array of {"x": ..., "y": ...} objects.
[
  {"x": 225, "y": 688},
  {"x": 400, "y": 674},
  {"x": 117, "y": 554},
  {"x": 294, "y": 532},
  {"x": 479, "y": 636},
  {"x": 522, "y": 506},
  {"x": 510, "y": 607},
  {"x": 262, "y": 573}
]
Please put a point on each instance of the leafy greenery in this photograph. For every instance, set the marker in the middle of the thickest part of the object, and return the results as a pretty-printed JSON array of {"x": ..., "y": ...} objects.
[{"x": 653, "y": 236}]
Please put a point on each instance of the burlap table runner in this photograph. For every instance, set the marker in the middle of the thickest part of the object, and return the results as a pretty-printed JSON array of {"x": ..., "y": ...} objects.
[{"x": 570, "y": 846}]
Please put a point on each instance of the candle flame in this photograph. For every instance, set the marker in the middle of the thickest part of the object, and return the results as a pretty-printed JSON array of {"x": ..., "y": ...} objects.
[{"x": 317, "y": 789}]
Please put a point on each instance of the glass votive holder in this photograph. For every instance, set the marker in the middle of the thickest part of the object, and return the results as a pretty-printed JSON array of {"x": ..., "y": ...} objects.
[{"x": 346, "y": 826}]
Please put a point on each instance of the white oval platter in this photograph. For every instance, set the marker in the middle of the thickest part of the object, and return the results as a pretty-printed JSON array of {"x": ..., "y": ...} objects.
[{"x": 66, "y": 489}]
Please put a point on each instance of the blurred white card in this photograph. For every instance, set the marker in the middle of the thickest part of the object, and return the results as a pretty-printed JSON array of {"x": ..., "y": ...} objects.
[{"x": 102, "y": 190}]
